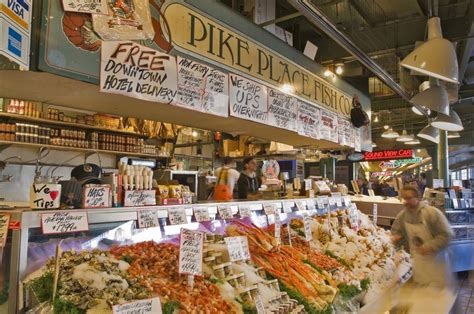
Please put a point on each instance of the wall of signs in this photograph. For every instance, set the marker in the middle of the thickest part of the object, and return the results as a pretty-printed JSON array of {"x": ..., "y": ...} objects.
[{"x": 130, "y": 69}]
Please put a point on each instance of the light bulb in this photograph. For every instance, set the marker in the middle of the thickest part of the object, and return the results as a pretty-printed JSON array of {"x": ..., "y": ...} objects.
[
  {"x": 327, "y": 73},
  {"x": 339, "y": 70},
  {"x": 195, "y": 134},
  {"x": 376, "y": 119},
  {"x": 287, "y": 88}
]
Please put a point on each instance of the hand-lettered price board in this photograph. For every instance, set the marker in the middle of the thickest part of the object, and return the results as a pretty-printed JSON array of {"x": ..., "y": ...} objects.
[{"x": 64, "y": 222}]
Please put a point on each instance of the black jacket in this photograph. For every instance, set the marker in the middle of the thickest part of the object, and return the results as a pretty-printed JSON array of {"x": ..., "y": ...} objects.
[{"x": 247, "y": 185}]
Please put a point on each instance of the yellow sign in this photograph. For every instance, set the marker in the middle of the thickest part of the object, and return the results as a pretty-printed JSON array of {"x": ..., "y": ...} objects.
[{"x": 193, "y": 32}]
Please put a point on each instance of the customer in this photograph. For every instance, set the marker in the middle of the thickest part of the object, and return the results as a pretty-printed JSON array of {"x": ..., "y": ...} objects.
[
  {"x": 248, "y": 183},
  {"x": 426, "y": 233},
  {"x": 227, "y": 178},
  {"x": 422, "y": 183}
]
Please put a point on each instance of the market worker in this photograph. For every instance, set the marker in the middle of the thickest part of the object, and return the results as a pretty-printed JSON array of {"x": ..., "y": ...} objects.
[
  {"x": 248, "y": 183},
  {"x": 227, "y": 178},
  {"x": 426, "y": 233}
]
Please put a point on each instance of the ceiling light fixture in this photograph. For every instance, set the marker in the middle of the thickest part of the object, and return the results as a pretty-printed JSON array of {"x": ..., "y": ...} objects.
[
  {"x": 390, "y": 134},
  {"x": 430, "y": 133},
  {"x": 376, "y": 118},
  {"x": 287, "y": 88},
  {"x": 415, "y": 141},
  {"x": 434, "y": 98},
  {"x": 327, "y": 73},
  {"x": 404, "y": 137},
  {"x": 386, "y": 127},
  {"x": 453, "y": 135},
  {"x": 448, "y": 123},
  {"x": 374, "y": 144},
  {"x": 436, "y": 57},
  {"x": 339, "y": 68}
]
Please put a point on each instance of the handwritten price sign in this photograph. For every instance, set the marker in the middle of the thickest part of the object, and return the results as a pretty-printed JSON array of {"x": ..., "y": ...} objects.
[
  {"x": 238, "y": 248},
  {"x": 244, "y": 211},
  {"x": 307, "y": 227},
  {"x": 97, "y": 196},
  {"x": 4, "y": 221},
  {"x": 177, "y": 216},
  {"x": 190, "y": 252},
  {"x": 148, "y": 219},
  {"x": 138, "y": 307},
  {"x": 201, "y": 214},
  {"x": 225, "y": 212},
  {"x": 269, "y": 209},
  {"x": 287, "y": 207},
  {"x": 64, "y": 222}
]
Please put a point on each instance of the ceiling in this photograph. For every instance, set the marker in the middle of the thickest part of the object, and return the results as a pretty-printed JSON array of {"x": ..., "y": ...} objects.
[{"x": 387, "y": 31}]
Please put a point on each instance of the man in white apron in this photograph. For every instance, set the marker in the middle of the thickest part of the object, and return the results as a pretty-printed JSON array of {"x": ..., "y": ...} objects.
[{"x": 426, "y": 233}]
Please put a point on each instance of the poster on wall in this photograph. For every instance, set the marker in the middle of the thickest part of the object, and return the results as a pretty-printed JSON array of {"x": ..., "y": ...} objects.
[
  {"x": 308, "y": 120},
  {"x": 345, "y": 131},
  {"x": 248, "y": 99},
  {"x": 202, "y": 88},
  {"x": 282, "y": 110},
  {"x": 126, "y": 20},
  {"x": 133, "y": 70},
  {"x": 328, "y": 128},
  {"x": 86, "y": 6}
]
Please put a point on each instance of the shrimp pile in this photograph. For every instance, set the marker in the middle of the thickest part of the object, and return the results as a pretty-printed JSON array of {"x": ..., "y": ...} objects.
[{"x": 155, "y": 266}]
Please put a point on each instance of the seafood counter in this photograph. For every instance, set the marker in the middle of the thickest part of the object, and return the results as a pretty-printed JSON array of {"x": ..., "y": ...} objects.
[{"x": 299, "y": 262}]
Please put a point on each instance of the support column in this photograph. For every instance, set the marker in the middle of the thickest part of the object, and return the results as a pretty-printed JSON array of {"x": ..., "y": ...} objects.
[
  {"x": 328, "y": 168},
  {"x": 433, "y": 152},
  {"x": 443, "y": 161}
]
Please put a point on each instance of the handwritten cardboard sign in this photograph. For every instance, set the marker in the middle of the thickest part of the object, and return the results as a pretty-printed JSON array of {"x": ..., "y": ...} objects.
[
  {"x": 4, "y": 223},
  {"x": 328, "y": 126},
  {"x": 148, "y": 218},
  {"x": 177, "y": 216},
  {"x": 238, "y": 248},
  {"x": 151, "y": 306},
  {"x": 45, "y": 196},
  {"x": 245, "y": 211},
  {"x": 225, "y": 212},
  {"x": 282, "y": 110},
  {"x": 308, "y": 120},
  {"x": 248, "y": 99},
  {"x": 86, "y": 6},
  {"x": 345, "y": 131},
  {"x": 201, "y": 214},
  {"x": 64, "y": 222},
  {"x": 136, "y": 71},
  {"x": 96, "y": 196},
  {"x": 140, "y": 198},
  {"x": 216, "y": 93},
  {"x": 190, "y": 252}
]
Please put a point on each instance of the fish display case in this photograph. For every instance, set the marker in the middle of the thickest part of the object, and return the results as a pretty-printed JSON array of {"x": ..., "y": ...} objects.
[{"x": 298, "y": 255}]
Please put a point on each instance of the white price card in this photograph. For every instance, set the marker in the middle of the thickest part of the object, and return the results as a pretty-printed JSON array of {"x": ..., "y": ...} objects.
[
  {"x": 375, "y": 213},
  {"x": 347, "y": 200},
  {"x": 148, "y": 218},
  {"x": 245, "y": 211},
  {"x": 259, "y": 305},
  {"x": 307, "y": 227},
  {"x": 64, "y": 222},
  {"x": 225, "y": 212},
  {"x": 332, "y": 201},
  {"x": 202, "y": 214},
  {"x": 277, "y": 227},
  {"x": 152, "y": 306},
  {"x": 311, "y": 205},
  {"x": 300, "y": 205},
  {"x": 4, "y": 221},
  {"x": 238, "y": 248},
  {"x": 177, "y": 216},
  {"x": 320, "y": 203},
  {"x": 287, "y": 207},
  {"x": 190, "y": 252},
  {"x": 338, "y": 201},
  {"x": 96, "y": 196},
  {"x": 269, "y": 209},
  {"x": 354, "y": 219}
]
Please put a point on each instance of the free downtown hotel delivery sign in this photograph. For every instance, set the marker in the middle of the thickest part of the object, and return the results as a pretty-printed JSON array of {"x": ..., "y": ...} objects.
[{"x": 193, "y": 32}]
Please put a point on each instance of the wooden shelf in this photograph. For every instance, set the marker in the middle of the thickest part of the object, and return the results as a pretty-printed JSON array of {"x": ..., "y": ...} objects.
[
  {"x": 62, "y": 123},
  {"x": 76, "y": 149}
]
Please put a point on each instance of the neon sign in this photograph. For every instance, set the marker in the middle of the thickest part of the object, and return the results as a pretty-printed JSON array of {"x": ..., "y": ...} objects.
[
  {"x": 399, "y": 163},
  {"x": 388, "y": 154}
]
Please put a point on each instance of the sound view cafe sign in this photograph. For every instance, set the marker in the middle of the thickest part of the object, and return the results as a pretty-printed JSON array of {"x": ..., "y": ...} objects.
[
  {"x": 388, "y": 154},
  {"x": 196, "y": 34}
]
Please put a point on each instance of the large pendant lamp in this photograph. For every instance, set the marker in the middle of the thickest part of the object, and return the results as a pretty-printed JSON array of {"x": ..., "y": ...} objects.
[
  {"x": 453, "y": 135},
  {"x": 450, "y": 122},
  {"x": 390, "y": 133},
  {"x": 430, "y": 133},
  {"x": 404, "y": 137},
  {"x": 436, "y": 57},
  {"x": 434, "y": 98}
]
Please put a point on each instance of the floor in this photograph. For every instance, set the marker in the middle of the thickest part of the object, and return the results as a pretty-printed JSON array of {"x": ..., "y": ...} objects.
[{"x": 465, "y": 301}]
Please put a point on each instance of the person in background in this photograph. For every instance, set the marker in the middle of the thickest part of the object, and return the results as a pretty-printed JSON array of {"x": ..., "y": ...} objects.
[
  {"x": 249, "y": 183},
  {"x": 228, "y": 176},
  {"x": 422, "y": 183},
  {"x": 364, "y": 188},
  {"x": 424, "y": 231}
]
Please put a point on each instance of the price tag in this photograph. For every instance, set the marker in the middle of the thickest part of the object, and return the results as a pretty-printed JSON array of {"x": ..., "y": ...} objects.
[
  {"x": 332, "y": 201},
  {"x": 277, "y": 227},
  {"x": 347, "y": 200},
  {"x": 64, "y": 222},
  {"x": 148, "y": 218},
  {"x": 4, "y": 223},
  {"x": 311, "y": 205},
  {"x": 354, "y": 218},
  {"x": 320, "y": 203},
  {"x": 177, "y": 216},
  {"x": 300, "y": 205},
  {"x": 201, "y": 214},
  {"x": 225, "y": 212},
  {"x": 238, "y": 248},
  {"x": 338, "y": 202},
  {"x": 142, "y": 306},
  {"x": 269, "y": 209},
  {"x": 307, "y": 227},
  {"x": 96, "y": 196},
  {"x": 190, "y": 252},
  {"x": 259, "y": 305},
  {"x": 375, "y": 213},
  {"x": 245, "y": 211},
  {"x": 287, "y": 207}
]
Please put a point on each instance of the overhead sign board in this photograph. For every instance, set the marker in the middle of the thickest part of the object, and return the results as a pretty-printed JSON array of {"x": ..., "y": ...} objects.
[
  {"x": 15, "y": 30},
  {"x": 388, "y": 154},
  {"x": 399, "y": 162}
]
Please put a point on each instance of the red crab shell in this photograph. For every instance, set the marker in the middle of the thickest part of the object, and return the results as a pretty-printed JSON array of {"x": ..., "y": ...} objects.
[{"x": 73, "y": 28}]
